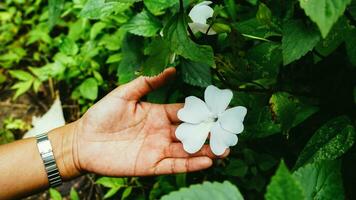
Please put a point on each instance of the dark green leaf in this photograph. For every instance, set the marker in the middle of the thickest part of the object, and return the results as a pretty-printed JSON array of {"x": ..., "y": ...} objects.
[
  {"x": 195, "y": 73},
  {"x": 289, "y": 110},
  {"x": 321, "y": 180},
  {"x": 298, "y": 39},
  {"x": 143, "y": 24},
  {"x": 329, "y": 142},
  {"x": 131, "y": 58},
  {"x": 284, "y": 186},
  {"x": 207, "y": 190},
  {"x": 175, "y": 33},
  {"x": 350, "y": 45},
  {"x": 159, "y": 57},
  {"x": 334, "y": 38}
]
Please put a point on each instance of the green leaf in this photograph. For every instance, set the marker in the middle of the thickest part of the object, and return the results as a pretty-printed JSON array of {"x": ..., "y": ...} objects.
[
  {"x": 114, "y": 58},
  {"x": 264, "y": 14},
  {"x": 54, "y": 194},
  {"x": 236, "y": 168},
  {"x": 111, "y": 182},
  {"x": 298, "y": 39},
  {"x": 21, "y": 75},
  {"x": 350, "y": 45},
  {"x": 196, "y": 73},
  {"x": 143, "y": 24},
  {"x": 334, "y": 38},
  {"x": 131, "y": 58},
  {"x": 324, "y": 13},
  {"x": 159, "y": 57},
  {"x": 111, "y": 192},
  {"x": 207, "y": 190},
  {"x": 68, "y": 47},
  {"x": 96, "y": 9},
  {"x": 254, "y": 29},
  {"x": 157, "y": 6},
  {"x": 2, "y": 78},
  {"x": 74, "y": 194},
  {"x": 96, "y": 29},
  {"x": 175, "y": 33},
  {"x": 21, "y": 87},
  {"x": 89, "y": 88},
  {"x": 126, "y": 193},
  {"x": 321, "y": 180},
  {"x": 54, "y": 11},
  {"x": 283, "y": 186},
  {"x": 329, "y": 142},
  {"x": 289, "y": 110}
]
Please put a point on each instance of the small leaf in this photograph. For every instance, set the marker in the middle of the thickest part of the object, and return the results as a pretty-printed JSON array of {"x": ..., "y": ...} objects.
[
  {"x": 321, "y": 180},
  {"x": 324, "y": 13},
  {"x": 111, "y": 192},
  {"x": 68, "y": 47},
  {"x": 196, "y": 73},
  {"x": 284, "y": 186},
  {"x": 89, "y": 88},
  {"x": 143, "y": 24},
  {"x": 298, "y": 39},
  {"x": 329, "y": 142},
  {"x": 175, "y": 33},
  {"x": 111, "y": 182},
  {"x": 54, "y": 194},
  {"x": 207, "y": 190},
  {"x": 74, "y": 194},
  {"x": 126, "y": 193},
  {"x": 21, "y": 87}
]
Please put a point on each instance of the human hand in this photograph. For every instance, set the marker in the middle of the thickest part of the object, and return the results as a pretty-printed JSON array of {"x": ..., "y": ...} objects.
[{"x": 122, "y": 136}]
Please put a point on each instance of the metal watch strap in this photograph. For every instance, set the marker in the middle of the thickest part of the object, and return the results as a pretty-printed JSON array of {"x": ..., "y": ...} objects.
[{"x": 45, "y": 149}]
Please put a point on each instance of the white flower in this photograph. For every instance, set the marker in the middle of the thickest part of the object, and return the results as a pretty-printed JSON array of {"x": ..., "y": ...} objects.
[
  {"x": 199, "y": 15},
  {"x": 199, "y": 118}
]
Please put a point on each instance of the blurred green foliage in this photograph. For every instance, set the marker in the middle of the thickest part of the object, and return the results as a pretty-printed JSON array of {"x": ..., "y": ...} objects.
[{"x": 292, "y": 63}]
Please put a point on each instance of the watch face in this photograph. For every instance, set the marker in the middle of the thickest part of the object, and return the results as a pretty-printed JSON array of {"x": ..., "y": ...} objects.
[{"x": 44, "y": 146}]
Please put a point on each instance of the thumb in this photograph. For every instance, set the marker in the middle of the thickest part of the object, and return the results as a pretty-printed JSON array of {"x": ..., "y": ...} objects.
[{"x": 142, "y": 85}]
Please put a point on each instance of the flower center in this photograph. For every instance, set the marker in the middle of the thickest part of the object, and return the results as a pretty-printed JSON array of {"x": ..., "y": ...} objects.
[{"x": 211, "y": 119}]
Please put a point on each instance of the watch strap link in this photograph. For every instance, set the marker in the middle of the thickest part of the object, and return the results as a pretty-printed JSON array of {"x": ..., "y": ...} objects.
[{"x": 45, "y": 149}]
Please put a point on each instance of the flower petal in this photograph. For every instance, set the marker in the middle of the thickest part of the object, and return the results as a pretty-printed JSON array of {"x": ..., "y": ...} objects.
[
  {"x": 231, "y": 120},
  {"x": 193, "y": 136},
  {"x": 194, "y": 111},
  {"x": 221, "y": 139},
  {"x": 198, "y": 27},
  {"x": 201, "y": 12},
  {"x": 216, "y": 99}
]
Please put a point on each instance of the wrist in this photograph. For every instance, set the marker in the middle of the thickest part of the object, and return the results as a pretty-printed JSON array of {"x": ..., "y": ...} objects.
[{"x": 64, "y": 148}]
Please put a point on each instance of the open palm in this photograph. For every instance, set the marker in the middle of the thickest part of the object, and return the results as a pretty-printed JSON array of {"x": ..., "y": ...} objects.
[{"x": 121, "y": 136}]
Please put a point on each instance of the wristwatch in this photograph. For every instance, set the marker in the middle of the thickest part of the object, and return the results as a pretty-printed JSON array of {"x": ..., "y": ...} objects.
[{"x": 45, "y": 149}]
